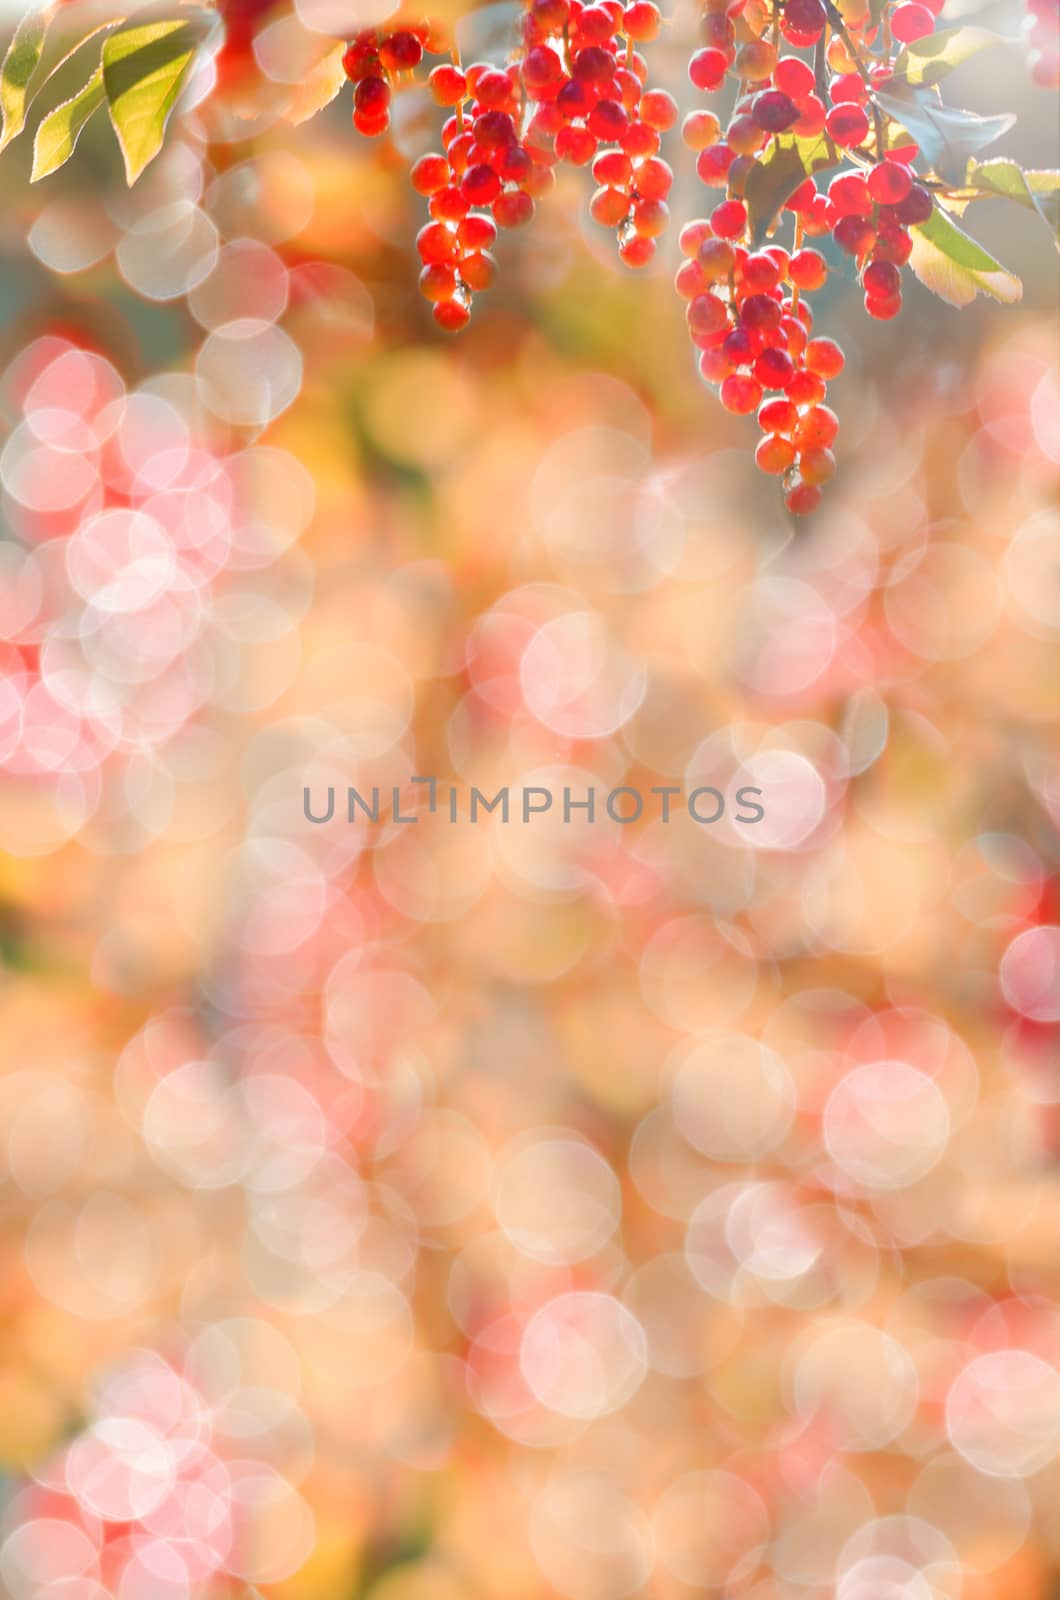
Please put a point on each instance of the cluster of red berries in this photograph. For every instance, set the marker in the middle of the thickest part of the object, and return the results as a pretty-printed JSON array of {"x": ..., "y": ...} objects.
[
  {"x": 746, "y": 314},
  {"x": 373, "y": 62},
  {"x": 1042, "y": 25},
  {"x": 575, "y": 91}
]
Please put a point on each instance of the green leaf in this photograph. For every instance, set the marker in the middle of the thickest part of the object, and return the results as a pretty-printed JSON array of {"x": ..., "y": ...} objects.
[
  {"x": 947, "y": 137},
  {"x": 16, "y": 74},
  {"x": 774, "y": 179},
  {"x": 929, "y": 60},
  {"x": 144, "y": 70},
  {"x": 1039, "y": 191},
  {"x": 61, "y": 128},
  {"x": 955, "y": 267}
]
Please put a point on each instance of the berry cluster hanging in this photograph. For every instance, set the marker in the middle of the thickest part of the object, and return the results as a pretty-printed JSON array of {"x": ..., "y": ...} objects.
[{"x": 814, "y": 87}]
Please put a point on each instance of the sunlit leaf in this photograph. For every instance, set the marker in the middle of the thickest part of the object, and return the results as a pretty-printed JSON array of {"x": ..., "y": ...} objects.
[
  {"x": 947, "y": 137},
  {"x": 144, "y": 70},
  {"x": 16, "y": 74},
  {"x": 929, "y": 60},
  {"x": 319, "y": 86},
  {"x": 955, "y": 267},
  {"x": 489, "y": 33},
  {"x": 61, "y": 128},
  {"x": 1037, "y": 190},
  {"x": 774, "y": 179}
]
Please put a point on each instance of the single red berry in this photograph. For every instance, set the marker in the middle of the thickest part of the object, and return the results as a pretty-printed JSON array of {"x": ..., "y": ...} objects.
[
  {"x": 429, "y": 174},
  {"x": 613, "y": 167},
  {"x": 889, "y": 183},
  {"x": 778, "y": 416},
  {"x": 478, "y": 271},
  {"x": 541, "y": 67},
  {"x": 729, "y": 220},
  {"x": 881, "y": 280},
  {"x": 849, "y": 195},
  {"x": 813, "y": 114},
  {"x": 707, "y": 69},
  {"x": 438, "y": 281},
  {"x": 883, "y": 309},
  {"x": 741, "y": 394},
  {"x": 847, "y": 125},
  {"x": 650, "y": 217},
  {"x": 759, "y": 273},
  {"x": 806, "y": 389},
  {"x": 637, "y": 250},
  {"x": 700, "y": 129},
  {"x": 640, "y": 140},
  {"x": 594, "y": 65},
  {"x": 513, "y": 208},
  {"x": 808, "y": 269},
  {"x": 641, "y": 21},
  {"x": 609, "y": 207},
  {"x": 361, "y": 58},
  {"x": 575, "y": 145},
  {"x": 401, "y": 51},
  {"x": 774, "y": 369},
  {"x": 436, "y": 242},
  {"x": 773, "y": 110},
  {"x": 690, "y": 280},
  {"x": 476, "y": 233},
  {"x": 911, "y": 21},
  {"x": 802, "y": 498},
  {"x": 846, "y": 87},
  {"x": 795, "y": 77},
  {"x": 449, "y": 205},
  {"x": 707, "y": 315},
  {"x": 448, "y": 85},
  {"x": 855, "y": 235},
  {"x": 654, "y": 179},
  {"x": 372, "y": 96},
  {"x": 452, "y": 315},
  {"x": 658, "y": 109},
  {"x": 481, "y": 185},
  {"x": 818, "y": 426},
  {"x": 774, "y": 454},
  {"x": 371, "y": 123},
  {"x": 803, "y": 22},
  {"x": 712, "y": 165},
  {"x": 817, "y": 464},
  {"x": 825, "y": 358},
  {"x": 607, "y": 121},
  {"x": 916, "y": 207}
]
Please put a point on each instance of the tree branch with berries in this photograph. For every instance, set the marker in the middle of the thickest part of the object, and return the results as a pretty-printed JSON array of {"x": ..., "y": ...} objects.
[{"x": 835, "y": 127}]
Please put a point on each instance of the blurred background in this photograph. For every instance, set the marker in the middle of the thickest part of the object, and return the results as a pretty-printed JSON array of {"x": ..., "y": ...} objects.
[{"x": 491, "y": 1212}]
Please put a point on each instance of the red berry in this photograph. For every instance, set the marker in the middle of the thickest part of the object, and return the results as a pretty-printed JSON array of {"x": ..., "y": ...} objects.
[
  {"x": 712, "y": 165},
  {"x": 916, "y": 207},
  {"x": 889, "y": 183},
  {"x": 641, "y": 21},
  {"x": 849, "y": 195},
  {"x": 773, "y": 111},
  {"x": 451, "y": 315},
  {"x": 438, "y": 281},
  {"x": 911, "y": 21},
  {"x": 778, "y": 416},
  {"x": 855, "y": 235},
  {"x": 824, "y": 358},
  {"x": 594, "y": 64},
  {"x": 774, "y": 369},
  {"x": 700, "y": 129},
  {"x": 429, "y": 174},
  {"x": 847, "y": 125},
  {"x": 729, "y": 219},
  {"x": 883, "y": 309},
  {"x": 774, "y": 454},
  {"x": 741, "y": 394},
  {"x": 802, "y": 498},
  {"x": 658, "y": 109},
  {"x": 881, "y": 280},
  {"x": 707, "y": 69},
  {"x": 808, "y": 269},
  {"x": 795, "y": 77},
  {"x": 654, "y": 179},
  {"x": 607, "y": 121},
  {"x": 817, "y": 464},
  {"x": 478, "y": 270},
  {"x": 401, "y": 51},
  {"x": 448, "y": 85},
  {"x": 575, "y": 145},
  {"x": 707, "y": 314},
  {"x": 819, "y": 426},
  {"x": 541, "y": 67},
  {"x": 637, "y": 250},
  {"x": 513, "y": 208},
  {"x": 803, "y": 22},
  {"x": 372, "y": 96},
  {"x": 609, "y": 207},
  {"x": 613, "y": 167},
  {"x": 806, "y": 389},
  {"x": 476, "y": 233}
]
